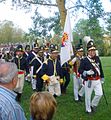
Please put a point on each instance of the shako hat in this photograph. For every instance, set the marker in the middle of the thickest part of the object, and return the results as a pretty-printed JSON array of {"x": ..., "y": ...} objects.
[{"x": 91, "y": 46}]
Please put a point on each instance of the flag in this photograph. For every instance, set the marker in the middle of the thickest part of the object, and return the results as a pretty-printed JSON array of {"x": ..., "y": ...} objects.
[{"x": 66, "y": 47}]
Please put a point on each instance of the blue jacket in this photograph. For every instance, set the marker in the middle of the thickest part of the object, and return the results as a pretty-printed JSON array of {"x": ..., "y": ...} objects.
[
  {"x": 48, "y": 68},
  {"x": 86, "y": 65}
]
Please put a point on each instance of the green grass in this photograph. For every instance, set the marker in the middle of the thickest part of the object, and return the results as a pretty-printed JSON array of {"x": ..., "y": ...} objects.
[{"x": 67, "y": 109}]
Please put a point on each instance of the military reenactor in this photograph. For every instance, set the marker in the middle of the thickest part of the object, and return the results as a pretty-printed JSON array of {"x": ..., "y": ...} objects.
[
  {"x": 91, "y": 71},
  {"x": 27, "y": 51},
  {"x": 35, "y": 65},
  {"x": 1, "y": 57},
  {"x": 46, "y": 52},
  {"x": 8, "y": 56},
  {"x": 26, "y": 55},
  {"x": 76, "y": 76},
  {"x": 52, "y": 72},
  {"x": 23, "y": 70},
  {"x": 39, "y": 84},
  {"x": 66, "y": 77}
]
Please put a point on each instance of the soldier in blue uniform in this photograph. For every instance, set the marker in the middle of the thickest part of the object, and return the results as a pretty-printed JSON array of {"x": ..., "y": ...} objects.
[
  {"x": 26, "y": 55},
  {"x": 35, "y": 65},
  {"x": 52, "y": 72},
  {"x": 27, "y": 51},
  {"x": 66, "y": 77},
  {"x": 23, "y": 70},
  {"x": 39, "y": 83},
  {"x": 46, "y": 52},
  {"x": 92, "y": 73}
]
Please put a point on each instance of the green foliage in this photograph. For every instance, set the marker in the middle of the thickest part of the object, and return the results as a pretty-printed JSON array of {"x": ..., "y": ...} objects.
[
  {"x": 9, "y": 33},
  {"x": 90, "y": 27},
  {"x": 95, "y": 9},
  {"x": 67, "y": 109},
  {"x": 43, "y": 26},
  {"x": 81, "y": 27},
  {"x": 94, "y": 29},
  {"x": 109, "y": 24}
]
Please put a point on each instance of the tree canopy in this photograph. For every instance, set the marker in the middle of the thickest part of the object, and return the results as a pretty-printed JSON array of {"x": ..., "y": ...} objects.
[{"x": 9, "y": 33}]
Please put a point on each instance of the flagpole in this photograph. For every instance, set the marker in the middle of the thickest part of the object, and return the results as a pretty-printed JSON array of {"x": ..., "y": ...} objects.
[{"x": 66, "y": 46}]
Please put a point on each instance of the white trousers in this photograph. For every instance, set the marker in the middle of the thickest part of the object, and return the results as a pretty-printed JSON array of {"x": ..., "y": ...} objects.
[
  {"x": 97, "y": 88},
  {"x": 20, "y": 83},
  {"x": 33, "y": 82},
  {"x": 82, "y": 91},
  {"x": 77, "y": 84}
]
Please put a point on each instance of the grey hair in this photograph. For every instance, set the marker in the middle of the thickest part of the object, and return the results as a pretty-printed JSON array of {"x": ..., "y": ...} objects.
[{"x": 6, "y": 77}]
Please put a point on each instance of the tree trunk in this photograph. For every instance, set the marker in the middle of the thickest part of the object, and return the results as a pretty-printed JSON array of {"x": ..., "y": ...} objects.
[{"x": 62, "y": 10}]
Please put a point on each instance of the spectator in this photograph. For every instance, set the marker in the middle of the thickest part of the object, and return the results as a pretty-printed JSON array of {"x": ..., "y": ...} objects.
[
  {"x": 9, "y": 108},
  {"x": 42, "y": 106}
]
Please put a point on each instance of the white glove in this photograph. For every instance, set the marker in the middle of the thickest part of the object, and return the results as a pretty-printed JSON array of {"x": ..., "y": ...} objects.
[
  {"x": 90, "y": 72},
  {"x": 102, "y": 80}
]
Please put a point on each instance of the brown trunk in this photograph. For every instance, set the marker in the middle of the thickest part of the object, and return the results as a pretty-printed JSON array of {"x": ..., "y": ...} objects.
[{"x": 62, "y": 10}]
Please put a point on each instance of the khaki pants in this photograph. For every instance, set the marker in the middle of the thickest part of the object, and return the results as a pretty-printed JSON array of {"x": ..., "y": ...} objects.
[
  {"x": 54, "y": 86},
  {"x": 20, "y": 83}
]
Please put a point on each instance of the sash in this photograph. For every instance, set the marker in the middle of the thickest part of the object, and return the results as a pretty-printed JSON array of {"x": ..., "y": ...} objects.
[
  {"x": 26, "y": 53},
  {"x": 36, "y": 57},
  {"x": 95, "y": 65},
  {"x": 54, "y": 63}
]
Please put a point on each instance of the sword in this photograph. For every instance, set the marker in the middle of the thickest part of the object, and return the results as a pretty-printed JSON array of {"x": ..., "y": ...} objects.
[{"x": 104, "y": 95}]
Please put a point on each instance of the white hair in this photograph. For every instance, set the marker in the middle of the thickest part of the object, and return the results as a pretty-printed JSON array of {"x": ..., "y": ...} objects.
[{"x": 9, "y": 74}]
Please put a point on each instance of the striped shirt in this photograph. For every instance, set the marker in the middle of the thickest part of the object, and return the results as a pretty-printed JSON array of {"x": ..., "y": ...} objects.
[{"x": 9, "y": 108}]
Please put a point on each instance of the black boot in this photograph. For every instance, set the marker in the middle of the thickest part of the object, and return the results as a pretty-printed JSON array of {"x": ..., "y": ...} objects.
[{"x": 80, "y": 98}]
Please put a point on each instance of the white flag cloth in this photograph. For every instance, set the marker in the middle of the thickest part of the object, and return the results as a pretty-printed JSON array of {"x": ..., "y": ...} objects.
[{"x": 66, "y": 48}]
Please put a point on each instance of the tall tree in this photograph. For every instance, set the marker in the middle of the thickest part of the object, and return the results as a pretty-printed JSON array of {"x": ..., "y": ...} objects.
[
  {"x": 9, "y": 33},
  {"x": 109, "y": 24},
  {"x": 75, "y": 5},
  {"x": 91, "y": 28},
  {"x": 42, "y": 26},
  {"x": 96, "y": 11}
]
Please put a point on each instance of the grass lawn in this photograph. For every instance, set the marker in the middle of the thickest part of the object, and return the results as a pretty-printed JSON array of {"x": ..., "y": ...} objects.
[{"x": 67, "y": 109}]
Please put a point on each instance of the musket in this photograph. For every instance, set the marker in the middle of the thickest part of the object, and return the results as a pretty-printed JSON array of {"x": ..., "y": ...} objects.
[{"x": 104, "y": 95}]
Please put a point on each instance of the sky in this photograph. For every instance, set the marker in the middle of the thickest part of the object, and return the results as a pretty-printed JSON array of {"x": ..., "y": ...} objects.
[
  {"x": 23, "y": 20},
  {"x": 17, "y": 16}
]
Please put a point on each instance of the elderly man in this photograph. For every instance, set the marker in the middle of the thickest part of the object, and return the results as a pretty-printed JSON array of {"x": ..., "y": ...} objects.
[
  {"x": 52, "y": 72},
  {"x": 9, "y": 108}
]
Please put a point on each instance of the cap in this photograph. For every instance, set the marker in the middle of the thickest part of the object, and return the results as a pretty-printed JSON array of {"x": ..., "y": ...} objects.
[
  {"x": 46, "y": 47},
  {"x": 41, "y": 48},
  {"x": 27, "y": 47},
  {"x": 79, "y": 47},
  {"x": 91, "y": 46},
  {"x": 54, "y": 48},
  {"x": 19, "y": 48},
  {"x": 36, "y": 45}
]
